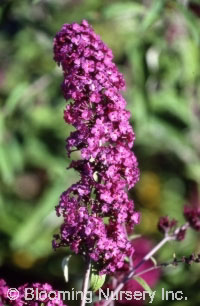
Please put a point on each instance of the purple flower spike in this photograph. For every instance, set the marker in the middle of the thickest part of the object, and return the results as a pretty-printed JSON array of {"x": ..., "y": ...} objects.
[{"x": 104, "y": 137}]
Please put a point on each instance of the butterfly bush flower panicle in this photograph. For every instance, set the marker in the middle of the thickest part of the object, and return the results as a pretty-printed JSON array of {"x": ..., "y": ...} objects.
[{"x": 104, "y": 137}]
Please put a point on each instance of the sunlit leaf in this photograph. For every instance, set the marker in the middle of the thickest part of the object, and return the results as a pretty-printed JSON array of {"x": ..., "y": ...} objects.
[
  {"x": 14, "y": 97},
  {"x": 65, "y": 267},
  {"x": 153, "y": 260},
  {"x": 153, "y": 13},
  {"x": 123, "y": 10},
  {"x": 96, "y": 280},
  {"x": 143, "y": 283}
]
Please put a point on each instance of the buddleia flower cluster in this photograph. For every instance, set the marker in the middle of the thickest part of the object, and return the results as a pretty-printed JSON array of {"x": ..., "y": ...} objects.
[{"x": 96, "y": 209}]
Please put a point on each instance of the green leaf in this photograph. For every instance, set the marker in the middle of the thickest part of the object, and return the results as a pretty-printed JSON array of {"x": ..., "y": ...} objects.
[
  {"x": 153, "y": 14},
  {"x": 134, "y": 236},
  {"x": 15, "y": 96},
  {"x": 2, "y": 126},
  {"x": 106, "y": 220},
  {"x": 153, "y": 260},
  {"x": 96, "y": 280},
  {"x": 161, "y": 136},
  {"x": 38, "y": 222},
  {"x": 5, "y": 166},
  {"x": 191, "y": 21},
  {"x": 65, "y": 267},
  {"x": 124, "y": 10},
  {"x": 193, "y": 171},
  {"x": 143, "y": 283},
  {"x": 189, "y": 51},
  {"x": 36, "y": 1},
  {"x": 167, "y": 100}
]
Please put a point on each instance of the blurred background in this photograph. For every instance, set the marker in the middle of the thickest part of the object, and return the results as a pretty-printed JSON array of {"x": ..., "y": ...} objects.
[{"x": 156, "y": 45}]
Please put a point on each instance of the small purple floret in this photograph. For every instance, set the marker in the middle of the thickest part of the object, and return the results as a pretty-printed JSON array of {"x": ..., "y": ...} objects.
[{"x": 192, "y": 215}]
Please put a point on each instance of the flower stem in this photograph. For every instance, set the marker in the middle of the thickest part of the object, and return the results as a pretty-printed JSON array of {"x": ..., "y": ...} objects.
[
  {"x": 132, "y": 271},
  {"x": 154, "y": 250},
  {"x": 86, "y": 282}
]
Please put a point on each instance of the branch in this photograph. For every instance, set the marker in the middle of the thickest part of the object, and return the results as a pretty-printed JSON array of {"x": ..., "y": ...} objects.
[{"x": 86, "y": 282}]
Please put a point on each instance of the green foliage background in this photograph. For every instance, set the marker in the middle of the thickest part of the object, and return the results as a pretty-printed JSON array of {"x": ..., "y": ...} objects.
[{"x": 156, "y": 46}]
